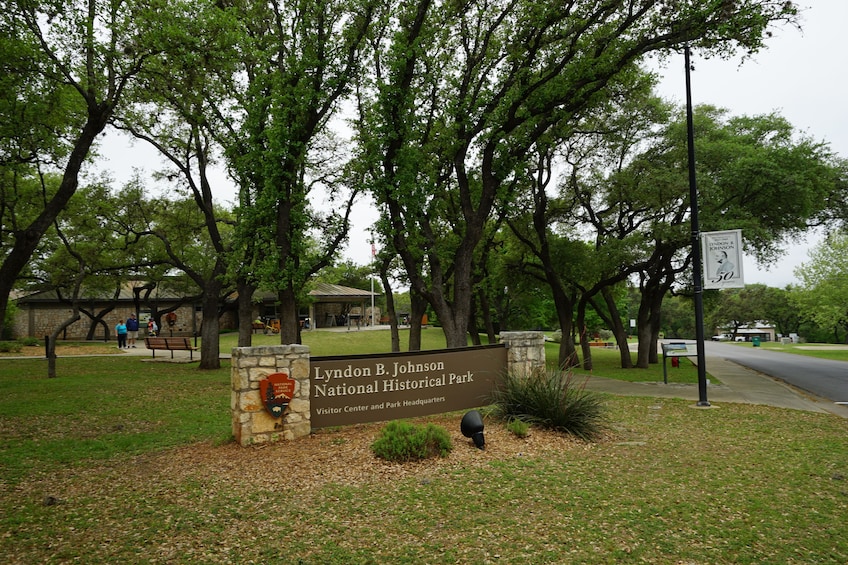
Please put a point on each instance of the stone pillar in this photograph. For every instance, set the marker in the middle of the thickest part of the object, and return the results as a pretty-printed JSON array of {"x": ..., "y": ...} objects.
[
  {"x": 252, "y": 424},
  {"x": 525, "y": 352}
]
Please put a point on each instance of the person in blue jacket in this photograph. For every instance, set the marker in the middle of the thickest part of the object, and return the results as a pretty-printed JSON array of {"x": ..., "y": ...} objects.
[{"x": 132, "y": 330}]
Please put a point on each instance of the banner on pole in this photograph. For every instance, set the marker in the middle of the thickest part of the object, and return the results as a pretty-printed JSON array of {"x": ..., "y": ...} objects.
[{"x": 722, "y": 258}]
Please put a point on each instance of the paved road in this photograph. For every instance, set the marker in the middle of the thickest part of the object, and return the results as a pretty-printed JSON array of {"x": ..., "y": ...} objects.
[{"x": 821, "y": 377}]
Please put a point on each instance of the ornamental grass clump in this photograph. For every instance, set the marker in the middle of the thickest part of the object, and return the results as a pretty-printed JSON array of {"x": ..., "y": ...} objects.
[
  {"x": 550, "y": 400},
  {"x": 401, "y": 441}
]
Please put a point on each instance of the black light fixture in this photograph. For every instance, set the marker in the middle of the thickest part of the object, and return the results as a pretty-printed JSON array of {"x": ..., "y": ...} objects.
[{"x": 472, "y": 426}]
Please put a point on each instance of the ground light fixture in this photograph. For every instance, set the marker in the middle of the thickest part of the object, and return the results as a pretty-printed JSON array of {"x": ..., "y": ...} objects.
[{"x": 472, "y": 426}]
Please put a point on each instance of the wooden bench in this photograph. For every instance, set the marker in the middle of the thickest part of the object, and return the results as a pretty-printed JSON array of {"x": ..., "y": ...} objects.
[{"x": 170, "y": 344}]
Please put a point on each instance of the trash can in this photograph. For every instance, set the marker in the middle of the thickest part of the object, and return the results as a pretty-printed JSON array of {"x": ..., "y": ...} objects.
[{"x": 755, "y": 341}]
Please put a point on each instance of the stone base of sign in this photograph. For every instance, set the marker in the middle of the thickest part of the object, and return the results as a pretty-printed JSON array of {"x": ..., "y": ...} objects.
[
  {"x": 251, "y": 422},
  {"x": 525, "y": 352}
]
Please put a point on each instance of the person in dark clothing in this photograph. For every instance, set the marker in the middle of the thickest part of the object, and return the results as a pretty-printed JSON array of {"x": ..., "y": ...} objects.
[{"x": 132, "y": 330}]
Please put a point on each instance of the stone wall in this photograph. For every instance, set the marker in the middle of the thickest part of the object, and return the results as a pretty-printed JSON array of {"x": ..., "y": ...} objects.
[
  {"x": 251, "y": 423},
  {"x": 39, "y": 320}
]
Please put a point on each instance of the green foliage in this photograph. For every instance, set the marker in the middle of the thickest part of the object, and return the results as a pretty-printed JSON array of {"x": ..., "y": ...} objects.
[
  {"x": 550, "y": 400},
  {"x": 9, "y": 320},
  {"x": 823, "y": 294},
  {"x": 402, "y": 441},
  {"x": 10, "y": 346},
  {"x": 517, "y": 427}
]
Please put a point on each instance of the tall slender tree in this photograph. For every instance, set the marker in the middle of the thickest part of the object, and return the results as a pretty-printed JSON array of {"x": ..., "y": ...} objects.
[{"x": 297, "y": 62}]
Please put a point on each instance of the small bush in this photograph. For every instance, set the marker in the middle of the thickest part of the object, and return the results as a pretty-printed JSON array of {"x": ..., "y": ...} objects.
[
  {"x": 30, "y": 341},
  {"x": 519, "y": 428},
  {"x": 550, "y": 400},
  {"x": 401, "y": 441},
  {"x": 10, "y": 347}
]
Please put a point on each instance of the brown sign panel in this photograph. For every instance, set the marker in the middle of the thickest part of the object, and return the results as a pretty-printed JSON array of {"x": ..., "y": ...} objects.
[
  {"x": 359, "y": 389},
  {"x": 277, "y": 390}
]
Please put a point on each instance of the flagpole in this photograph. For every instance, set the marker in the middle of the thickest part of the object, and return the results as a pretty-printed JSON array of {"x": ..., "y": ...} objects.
[{"x": 373, "y": 256}]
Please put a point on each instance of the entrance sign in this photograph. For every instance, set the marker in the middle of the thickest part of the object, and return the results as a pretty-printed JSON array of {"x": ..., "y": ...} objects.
[
  {"x": 360, "y": 389},
  {"x": 722, "y": 253},
  {"x": 277, "y": 390}
]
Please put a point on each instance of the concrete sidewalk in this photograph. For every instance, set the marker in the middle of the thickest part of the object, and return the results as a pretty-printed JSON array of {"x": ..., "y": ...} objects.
[{"x": 738, "y": 384}]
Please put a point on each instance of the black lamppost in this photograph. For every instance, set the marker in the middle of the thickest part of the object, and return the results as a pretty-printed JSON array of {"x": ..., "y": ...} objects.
[{"x": 696, "y": 243}]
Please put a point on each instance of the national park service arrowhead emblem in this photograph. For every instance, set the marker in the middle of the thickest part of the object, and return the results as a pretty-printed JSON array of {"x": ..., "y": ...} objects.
[{"x": 277, "y": 390}]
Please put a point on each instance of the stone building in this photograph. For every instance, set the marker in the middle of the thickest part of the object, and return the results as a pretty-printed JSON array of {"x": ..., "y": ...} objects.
[{"x": 38, "y": 314}]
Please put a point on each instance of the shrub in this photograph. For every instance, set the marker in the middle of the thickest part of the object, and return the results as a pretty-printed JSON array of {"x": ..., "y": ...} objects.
[
  {"x": 401, "y": 441},
  {"x": 550, "y": 400},
  {"x": 30, "y": 341},
  {"x": 10, "y": 347},
  {"x": 519, "y": 428}
]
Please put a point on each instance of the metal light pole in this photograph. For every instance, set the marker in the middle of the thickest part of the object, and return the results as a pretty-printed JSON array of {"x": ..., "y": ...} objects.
[
  {"x": 373, "y": 260},
  {"x": 696, "y": 244}
]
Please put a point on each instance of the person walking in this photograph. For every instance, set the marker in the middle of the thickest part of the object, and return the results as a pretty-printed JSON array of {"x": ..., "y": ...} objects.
[
  {"x": 121, "y": 334},
  {"x": 132, "y": 330}
]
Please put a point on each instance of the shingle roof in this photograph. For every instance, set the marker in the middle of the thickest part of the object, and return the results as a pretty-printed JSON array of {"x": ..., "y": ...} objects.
[{"x": 326, "y": 290}]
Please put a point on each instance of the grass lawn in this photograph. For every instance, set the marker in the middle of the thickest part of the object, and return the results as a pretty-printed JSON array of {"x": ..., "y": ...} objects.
[{"x": 123, "y": 461}]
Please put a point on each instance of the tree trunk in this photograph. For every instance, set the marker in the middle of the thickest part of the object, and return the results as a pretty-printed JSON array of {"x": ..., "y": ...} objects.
[
  {"x": 473, "y": 332},
  {"x": 656, "y": 320},
  {"x": 96, "y": 321},
  {"x": 585, "y": 346},
  {"x": 51, "y": 345},
  {"x": 210, "y": 347},
  {"x": 618, "y": 329},
  {"x": 491, "y": 334},
  {"x": 643, "y": 331},
  {"x": 245, "y": 313},
  {"x": 289, "y": 322},
  {"x": 390, "y": 305},
  {"x": 417, "y": 308},
  {"x": 565, "y": 311}
]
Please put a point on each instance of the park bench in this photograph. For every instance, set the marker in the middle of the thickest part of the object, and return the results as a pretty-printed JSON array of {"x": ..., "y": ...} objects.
[{"x": 170, "y": 344}]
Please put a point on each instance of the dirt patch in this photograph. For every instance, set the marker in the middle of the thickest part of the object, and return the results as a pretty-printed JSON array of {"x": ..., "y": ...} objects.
[{"x": 337, "y": 456}]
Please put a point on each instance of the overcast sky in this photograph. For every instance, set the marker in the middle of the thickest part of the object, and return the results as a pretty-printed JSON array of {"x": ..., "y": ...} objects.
[{"x": 800, "y": 75}]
